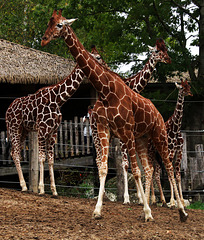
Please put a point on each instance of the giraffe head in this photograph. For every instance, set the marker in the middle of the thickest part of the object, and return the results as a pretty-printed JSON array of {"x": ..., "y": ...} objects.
[
  {"x": 56, "y": 27},
  {"x": 97, "y": 56},
  {"x": 185, "y": 88},
  {"x": 160, "y": 52}
]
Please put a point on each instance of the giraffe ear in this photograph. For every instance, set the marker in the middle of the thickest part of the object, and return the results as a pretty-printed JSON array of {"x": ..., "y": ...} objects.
[
  {"x": 69, "y": 21},
  {"x": 178, "y": 86},
  {"x": 151, "y": 48}
]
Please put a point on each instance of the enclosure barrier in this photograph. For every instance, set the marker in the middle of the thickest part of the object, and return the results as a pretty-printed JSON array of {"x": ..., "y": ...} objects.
[{"x": 70, "y": 145}]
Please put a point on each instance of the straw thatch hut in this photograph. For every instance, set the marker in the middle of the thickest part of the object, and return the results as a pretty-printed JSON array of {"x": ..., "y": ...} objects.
[{"x": 24, "y": 70}]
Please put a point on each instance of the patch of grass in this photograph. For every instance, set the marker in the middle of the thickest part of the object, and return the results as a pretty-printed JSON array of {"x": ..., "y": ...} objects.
[{"x": 196, "y": 205}]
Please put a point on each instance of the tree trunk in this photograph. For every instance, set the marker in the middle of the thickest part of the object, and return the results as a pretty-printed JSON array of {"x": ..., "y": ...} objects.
[{"x": 201, "y": 40}]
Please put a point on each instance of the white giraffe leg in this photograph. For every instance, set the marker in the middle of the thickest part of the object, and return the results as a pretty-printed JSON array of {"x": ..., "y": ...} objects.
[
  {"x": 125, "y": 165},
  {"x": 41, "y": 163},
  {"x": 16, "y": 155},
  {"x": 139, "y": 195},
  {"x": 104, "y": 135},
  {"x": 172, "y": 200},
  {"x": 50, "y": 147}
]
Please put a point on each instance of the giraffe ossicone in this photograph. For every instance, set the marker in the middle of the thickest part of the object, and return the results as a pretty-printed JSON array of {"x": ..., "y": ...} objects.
[{"x": 121, "y": 111}]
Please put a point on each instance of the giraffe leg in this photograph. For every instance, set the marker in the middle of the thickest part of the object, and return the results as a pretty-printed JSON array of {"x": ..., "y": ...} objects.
[
  {"x": 125, "y": 165},
  {"x": 153, "y": 197},
  {"x": 103, "y": 170},
  {"x": 162, "y": 147},
  {"x": 142, "y": 151},
  {"x": 16, "y": 155},
  {"x": 42, "y": 157},
  {"x": 17, "y": 138},
  {"x": 137, "y": 174},
  {"x": 157, "y": 174},
  {"x": 50, "y": 148},
  {"x": 172, "y": 200},
  {"x": 178, "y": 173}
]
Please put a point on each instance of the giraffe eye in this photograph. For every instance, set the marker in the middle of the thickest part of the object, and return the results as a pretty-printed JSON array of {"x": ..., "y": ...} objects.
[
  {"x": 156, "y": 51},
  {"x": 59, "y": 25}
]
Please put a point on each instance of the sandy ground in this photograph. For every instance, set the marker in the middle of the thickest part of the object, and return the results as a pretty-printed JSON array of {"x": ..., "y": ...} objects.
[{"x": 30, "y": 216}]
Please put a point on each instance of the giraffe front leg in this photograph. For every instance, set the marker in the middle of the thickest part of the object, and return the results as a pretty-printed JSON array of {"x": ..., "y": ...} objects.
[
  {"x": 178, "y": 173},
  {"x": 103, "y": 134},
  {"x": 50, "y": 148},
  {"x": 172, "y": 200},
  {"x": 125, "y": 165},
  {"x": 153, "y": 197},
  {"x": 42, "y": 157}
]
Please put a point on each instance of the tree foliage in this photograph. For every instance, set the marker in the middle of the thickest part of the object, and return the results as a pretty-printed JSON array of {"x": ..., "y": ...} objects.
[{"x": 121, "y": 30}]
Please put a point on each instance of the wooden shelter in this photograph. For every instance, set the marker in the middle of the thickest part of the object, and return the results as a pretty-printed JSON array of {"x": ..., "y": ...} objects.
[{"x": 23, "y": 65}]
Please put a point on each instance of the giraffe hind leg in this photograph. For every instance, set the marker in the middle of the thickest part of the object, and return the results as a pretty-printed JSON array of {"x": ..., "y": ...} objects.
[
  {"x": 16, "y": 155},
  {"x": 162, "y": 147}
]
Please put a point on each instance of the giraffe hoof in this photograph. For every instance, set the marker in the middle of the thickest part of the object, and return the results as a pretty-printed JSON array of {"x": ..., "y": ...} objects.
[
  {"x": 126, "y": 203},
  {"x": 96, "y": 216},
  {"x": 164, "y": 205},
  {"x": 150, "y": 219},
  {"x": 24, "y": 189},
  {"x": 183, "y": 216}
]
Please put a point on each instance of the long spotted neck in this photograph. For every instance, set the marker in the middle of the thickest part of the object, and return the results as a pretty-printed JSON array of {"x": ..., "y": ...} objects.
[
  {"x": 176, "y": 118},
  {"x": 62, "y": 91},
  {"x": 138, "y": 82},
  {"x": 92, "y": 69}
]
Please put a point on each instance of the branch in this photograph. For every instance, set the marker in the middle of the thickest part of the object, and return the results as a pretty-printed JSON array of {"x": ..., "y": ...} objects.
[
  {"x": 162, "y": 22},
  {"x": 185, "y": 11}
]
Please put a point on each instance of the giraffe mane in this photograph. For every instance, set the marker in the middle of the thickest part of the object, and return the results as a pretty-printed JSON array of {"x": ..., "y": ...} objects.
[{"x": 160, "y": 44}]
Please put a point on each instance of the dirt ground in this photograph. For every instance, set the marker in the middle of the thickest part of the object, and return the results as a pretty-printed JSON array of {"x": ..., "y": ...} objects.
[{"x": 30, "y": 216}]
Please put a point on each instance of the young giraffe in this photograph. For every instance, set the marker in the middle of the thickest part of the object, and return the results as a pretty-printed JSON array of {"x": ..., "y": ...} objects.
[
  {"x": 137, "y": 83},
  {"x": 40, "y": 112},
  {"x": 120, "y": 110},
  {"x": 175, "y": 143}
]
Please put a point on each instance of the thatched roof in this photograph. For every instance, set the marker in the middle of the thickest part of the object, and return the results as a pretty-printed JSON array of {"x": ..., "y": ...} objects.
[{"x": 20, "y": 64}]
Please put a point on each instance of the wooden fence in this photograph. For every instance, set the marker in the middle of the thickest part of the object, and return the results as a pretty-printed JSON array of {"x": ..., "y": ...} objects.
[{"x": 71, "y": 144}]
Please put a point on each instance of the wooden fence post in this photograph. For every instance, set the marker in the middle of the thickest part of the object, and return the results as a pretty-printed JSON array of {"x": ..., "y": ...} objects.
[
  {"x": 87, "y": 136},
  {"x": 66, "y": 138},
  {"x": 82, "y": 135},
  {"x": 3, "y": 145},
  {"x": 33, "y": 163},
  {"x": 76, "y": 135},
  {"x": 61, "y": 141},
  {"x": 71, "y": 138}
]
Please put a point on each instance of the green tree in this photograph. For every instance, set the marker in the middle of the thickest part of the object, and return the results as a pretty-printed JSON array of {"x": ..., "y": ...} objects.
[{"x": 121, "y": 30}]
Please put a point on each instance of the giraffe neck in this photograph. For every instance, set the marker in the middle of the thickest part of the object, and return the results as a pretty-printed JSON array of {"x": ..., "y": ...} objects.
[
  {"x": 176, "y": 118},
  {"x": 91, "y": 68},
  {"x": 138, "y": 82},
  {"x": 67, "y": 87}
]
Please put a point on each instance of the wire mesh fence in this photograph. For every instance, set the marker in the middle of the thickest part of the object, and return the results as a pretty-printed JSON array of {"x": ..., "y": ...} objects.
[{"x": 76, "y": 171}]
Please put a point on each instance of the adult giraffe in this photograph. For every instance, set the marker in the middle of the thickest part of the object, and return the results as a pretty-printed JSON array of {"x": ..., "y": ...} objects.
[
  {"x": 137, "y": 83},
  {"x": 40, "y": 112},
  {"x": 120, "y": 110},
  {"x": 175, "y": 143}
]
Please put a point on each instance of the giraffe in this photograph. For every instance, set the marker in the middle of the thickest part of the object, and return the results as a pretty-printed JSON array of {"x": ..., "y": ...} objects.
[
  {"x": 120, "y": 110},
  {"x": 137, "y": 83},
  {"x": 40, "y": 112},
  {"x": 175, "y": 143}
]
